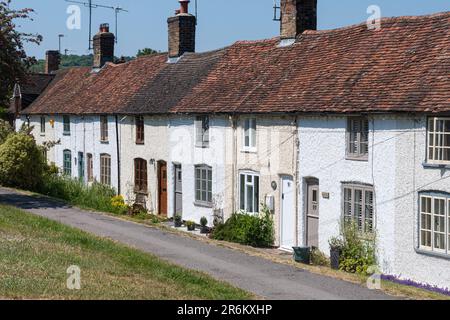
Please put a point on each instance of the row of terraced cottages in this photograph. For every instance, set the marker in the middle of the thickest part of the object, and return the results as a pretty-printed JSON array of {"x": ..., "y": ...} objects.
[{"x": 319, "y": 125}]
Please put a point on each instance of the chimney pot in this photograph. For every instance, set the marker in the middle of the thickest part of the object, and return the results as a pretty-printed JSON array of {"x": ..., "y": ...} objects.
[
  {"x": 52, "y": 61},
  {"x": 103, "y": 46},
  {"x": 297, "y": 16}
]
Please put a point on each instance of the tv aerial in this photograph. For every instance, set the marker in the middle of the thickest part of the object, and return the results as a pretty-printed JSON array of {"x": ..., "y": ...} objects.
[{"x": 90, "y": 5}]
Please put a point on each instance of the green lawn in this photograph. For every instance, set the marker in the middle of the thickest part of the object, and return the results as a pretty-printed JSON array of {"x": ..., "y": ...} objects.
[{"x": 35, "y": 254}]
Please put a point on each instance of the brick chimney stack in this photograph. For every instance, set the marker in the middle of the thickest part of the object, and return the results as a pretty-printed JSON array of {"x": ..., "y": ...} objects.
[
  {"x": 297, "y": 16},
  {"x": 103, "y": 46},
  {"x": 181, "y": 31},
  {"x": 16, "y": 100},
  {"x": 52, "y": 61}
]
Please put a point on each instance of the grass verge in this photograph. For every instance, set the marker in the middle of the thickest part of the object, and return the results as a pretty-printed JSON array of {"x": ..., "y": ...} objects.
[{"x": 36, "y": 252}]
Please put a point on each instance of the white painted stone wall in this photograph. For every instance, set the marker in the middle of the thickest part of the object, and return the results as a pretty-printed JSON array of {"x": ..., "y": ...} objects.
[
  {"x": 154, "y": 148},
  {"x": 395, "y": 157},
  {"x": 84, "y": 137}
]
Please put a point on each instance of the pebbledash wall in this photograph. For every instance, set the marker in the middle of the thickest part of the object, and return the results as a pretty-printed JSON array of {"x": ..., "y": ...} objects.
[
  {"x": 154, "y": 149},
  {"x": 395, "y": 167}
]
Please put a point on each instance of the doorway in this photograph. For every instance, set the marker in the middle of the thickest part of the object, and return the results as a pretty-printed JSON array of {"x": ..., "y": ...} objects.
[
  {"x": 81, "y": 166},
  {"x": 178, "y": 189},
  {"x": 288, "y": 229},
  {"x": 162, "y": 188},
  {"x": 312, "y": 213}
]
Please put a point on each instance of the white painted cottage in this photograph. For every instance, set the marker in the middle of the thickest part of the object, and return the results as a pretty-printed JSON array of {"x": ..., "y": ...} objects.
[{"x": 322, "y": 126}]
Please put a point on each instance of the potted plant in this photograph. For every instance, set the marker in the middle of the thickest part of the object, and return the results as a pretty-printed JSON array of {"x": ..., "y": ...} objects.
[
  {"x": 178, "y": 222},
  {"x": 204, "y": 224},
  {"x": 302, "y": 254},
  {"x": 190, "y": 225},
  {"x": 336, "y": 246}
]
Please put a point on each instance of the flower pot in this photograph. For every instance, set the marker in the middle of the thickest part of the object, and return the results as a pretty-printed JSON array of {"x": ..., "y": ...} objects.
[
  {"x": 191, "y": 227},
  {"x": 302, "y": 254},
  {"x": 204, "y": 230},
  {"x": 178, "y": 224},
  {"x": 335, "y": 254}
]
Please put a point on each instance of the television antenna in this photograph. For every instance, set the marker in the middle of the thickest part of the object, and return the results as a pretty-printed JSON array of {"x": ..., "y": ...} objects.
[{"x": 90, "y": 5}]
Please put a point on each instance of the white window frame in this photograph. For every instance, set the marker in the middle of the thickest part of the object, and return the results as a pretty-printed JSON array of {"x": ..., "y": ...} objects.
[
  {"x": 67, "y": 170},
  {"x": 249, "y": 129},
  {"x": 433, "y": 197},
  {"x": 243, "y": 203},
  {"x": 202, "y": 131},
  {"x": 200, "y": 181},
  {"x": 353, "y": 187},
  {"x": 436, "y": 140},
  {"x": 358, "y": 141}
]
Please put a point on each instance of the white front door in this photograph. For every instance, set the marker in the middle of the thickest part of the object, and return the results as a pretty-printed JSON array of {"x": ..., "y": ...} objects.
[{"x": 287, "y": 214}]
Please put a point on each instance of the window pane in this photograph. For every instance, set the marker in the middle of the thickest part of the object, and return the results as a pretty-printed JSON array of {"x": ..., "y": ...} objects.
[
  {"x": 426, "y": 238},
  {"x": 250, "y": 198},
  {"x": 256, "y": 194},
  {"x": 358, "y": 208},
  {"x": 253, "y": 133}
]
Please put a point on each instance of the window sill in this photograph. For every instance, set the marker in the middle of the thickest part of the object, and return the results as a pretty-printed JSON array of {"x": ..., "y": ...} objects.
[
  {"x": 104, "y": 142},
  {"x": 435, "y": 165},
  {"x": 140, "y": 143},
  {"x": 432, "y": 254},
  {"x": 355, "y": 158},
  {"x": 200, "y": 146},
  {"x": 141, "y": 192},
  {"x": 42, "y": 134},
  {"x": 249, "y": 150},
  {"x": 67, "y": 134},
  {"x": 203, "y": 204}
]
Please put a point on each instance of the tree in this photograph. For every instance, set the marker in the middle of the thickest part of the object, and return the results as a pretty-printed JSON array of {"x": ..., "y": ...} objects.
[
  {"x": 14, "y": 61},
  {"x": 146, "y": 52}
]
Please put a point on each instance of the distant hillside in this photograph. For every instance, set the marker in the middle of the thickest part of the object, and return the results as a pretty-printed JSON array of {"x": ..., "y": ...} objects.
[{"x": 68, "y": 61}]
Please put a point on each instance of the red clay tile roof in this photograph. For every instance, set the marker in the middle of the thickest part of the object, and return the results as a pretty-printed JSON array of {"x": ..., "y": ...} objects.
[
  {"x": 80, "y": 91},
  {"x": 404, "y": 67}
]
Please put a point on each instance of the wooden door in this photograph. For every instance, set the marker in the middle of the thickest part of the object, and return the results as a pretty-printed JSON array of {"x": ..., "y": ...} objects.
[
  {"x": 162, "y": 188},
  {"x": 312, "y": 214}
]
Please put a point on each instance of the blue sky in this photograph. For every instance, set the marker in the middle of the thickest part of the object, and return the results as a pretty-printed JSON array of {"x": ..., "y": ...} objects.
[{"x": 221, "y": 22}]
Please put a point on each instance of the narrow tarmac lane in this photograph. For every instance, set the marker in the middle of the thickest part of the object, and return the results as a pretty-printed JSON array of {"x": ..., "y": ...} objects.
[{"x": 262, "y": 277}]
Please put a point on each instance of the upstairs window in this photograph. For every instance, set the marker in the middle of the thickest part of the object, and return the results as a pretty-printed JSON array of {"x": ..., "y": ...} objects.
[
  {"x": 104, "y": 128},
  {"x": 66, "y": 125},
  {"x": 202, "y": 131},
  {"x": 42, "y": 125},
  {"x": 67, "y": 163},
  {"x": 140, "y": 133},
  {"x": 435, "y": 223},
  {"x": 358, "y": 138},
  {"x": 249, "y": 192},
  {"x": 140, "y": 175},
  {"x": 203, "y": 184},
  {"x": 105, "y": 169},
  {"x": 359, "y": 207},
  {"x": 439, "y": 140},
  {"x": 249, "y": 134}
]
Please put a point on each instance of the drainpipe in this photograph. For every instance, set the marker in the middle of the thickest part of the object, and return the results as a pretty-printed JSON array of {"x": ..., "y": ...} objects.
[
  {"x": 296, "y": 177},
  {"x": 233, "y": 124},
  {"x": 84, "y": 149},
  {"x": 118, "y": 155}
]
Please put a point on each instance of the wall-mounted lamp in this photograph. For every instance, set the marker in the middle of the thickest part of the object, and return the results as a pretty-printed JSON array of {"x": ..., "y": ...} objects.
[{"x": 152, "y": 162}]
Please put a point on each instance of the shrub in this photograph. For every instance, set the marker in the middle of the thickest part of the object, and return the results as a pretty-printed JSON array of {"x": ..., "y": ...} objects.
[
  {"x": 318, "y": 258},
  {"x": 247, "y": 229},
  {"x": 97, "y": 196},
  {"x": 21, "y": 162},
  {"x": 203, "y": 221},
  {"x": 358, "y": 251},
  {"x": 118, "y": 203},
  {"x": 5, "y": 130}
]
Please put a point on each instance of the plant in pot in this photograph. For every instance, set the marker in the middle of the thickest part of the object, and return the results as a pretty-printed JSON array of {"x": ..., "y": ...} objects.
[
  {"x": 178, "y": 221},
  {"x": 336, "y": 246},
  {"x": 190, "y": 225},
  {"x": 204, "y": 224}
]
